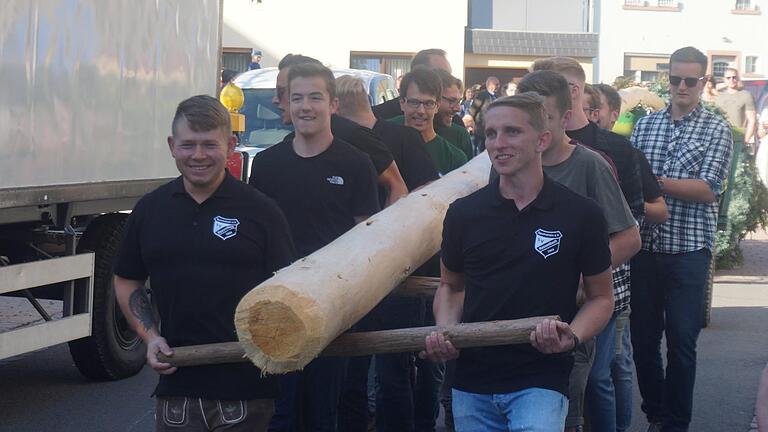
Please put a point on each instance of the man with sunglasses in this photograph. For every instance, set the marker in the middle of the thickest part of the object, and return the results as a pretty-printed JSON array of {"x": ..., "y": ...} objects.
[
  {"x": 689, "y": 149},
  {"x": 420, "y": 91},
  {"x": 738, "y": 105}
]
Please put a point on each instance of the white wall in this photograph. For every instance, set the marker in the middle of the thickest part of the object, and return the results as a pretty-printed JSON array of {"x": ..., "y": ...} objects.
[
  {"x": 703, "y": 24},
  {"x": 329, "y": 29}
]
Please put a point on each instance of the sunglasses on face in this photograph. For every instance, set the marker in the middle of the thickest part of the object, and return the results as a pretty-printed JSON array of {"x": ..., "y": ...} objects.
[{"x": 689, "y": 82}]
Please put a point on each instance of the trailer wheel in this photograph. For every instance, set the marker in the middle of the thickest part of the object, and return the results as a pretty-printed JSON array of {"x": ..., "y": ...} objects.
[
  {"x": 114, "y": 350},
  {"x": 707, "y": 312}
]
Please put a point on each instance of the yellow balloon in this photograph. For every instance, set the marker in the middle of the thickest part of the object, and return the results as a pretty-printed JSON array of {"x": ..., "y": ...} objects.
[{"x": 232, "y": 97}]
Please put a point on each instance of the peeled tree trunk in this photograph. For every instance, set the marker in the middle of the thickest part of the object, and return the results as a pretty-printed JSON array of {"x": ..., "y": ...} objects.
[{"x": 286, "y": 321}]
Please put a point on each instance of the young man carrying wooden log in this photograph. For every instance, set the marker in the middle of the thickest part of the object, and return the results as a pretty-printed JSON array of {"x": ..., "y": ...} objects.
[
  {"x": 205, "y": 239},
  {"x": 517, "y": 248},
  {"x": 324, "y": 186}
]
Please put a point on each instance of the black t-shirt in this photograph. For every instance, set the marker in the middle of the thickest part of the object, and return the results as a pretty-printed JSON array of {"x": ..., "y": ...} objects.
[
  {"x": 624, "y": 157},
  {"x": 320, "y": 195},
  {"x": 364, "y": 140},
  {"x": 408, "y": 149},
  {"x": 202, "y": 259},
  {"x": 518, "y": 264},
  {"x": 651, "y": 188},
  {"x": 387, "y": 110}
]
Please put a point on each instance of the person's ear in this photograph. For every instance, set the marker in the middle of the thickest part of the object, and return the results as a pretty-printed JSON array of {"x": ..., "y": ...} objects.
[
  {"x": 566, "y": 118},
  {"x": 334, "y": 105}
]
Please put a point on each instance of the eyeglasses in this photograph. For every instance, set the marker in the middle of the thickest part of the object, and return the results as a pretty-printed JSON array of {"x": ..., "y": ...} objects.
[
  {"x": 735, "y": 78},
  {"x": 689, "y": 82},
  {"x": 416, "y": 103},
  {"x": 450, "y": 101}
]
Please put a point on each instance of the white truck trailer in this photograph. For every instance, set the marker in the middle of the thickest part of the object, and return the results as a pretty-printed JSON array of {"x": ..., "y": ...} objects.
[{"x": 87, "y": 94}]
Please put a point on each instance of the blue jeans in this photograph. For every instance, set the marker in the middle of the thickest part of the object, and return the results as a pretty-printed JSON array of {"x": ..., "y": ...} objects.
[
  {"x": 601, "y": 401},
  {"x": 528, "y": 410},
  {"x": 622, "y": 371},
  {"x": 668, "y": 297}
]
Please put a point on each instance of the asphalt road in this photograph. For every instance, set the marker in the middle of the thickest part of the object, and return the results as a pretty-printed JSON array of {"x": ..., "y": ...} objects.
[{"x": 44, "y": 391}]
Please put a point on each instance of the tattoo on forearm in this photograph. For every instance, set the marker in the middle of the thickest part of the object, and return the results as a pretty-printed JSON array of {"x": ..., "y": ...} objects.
[{"x": 141, "y": 308}]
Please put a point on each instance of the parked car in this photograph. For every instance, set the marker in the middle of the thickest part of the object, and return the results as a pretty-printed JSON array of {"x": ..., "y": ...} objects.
[{"x": 263, "y": 124}]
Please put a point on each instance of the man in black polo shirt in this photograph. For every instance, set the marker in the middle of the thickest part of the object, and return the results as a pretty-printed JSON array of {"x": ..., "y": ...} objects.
[
  {"x": 514, "y": 249},
  {"x": 205, "y": 239},
  {"x": 363, "y": 139},
  {"x": 325, "y": 186}
]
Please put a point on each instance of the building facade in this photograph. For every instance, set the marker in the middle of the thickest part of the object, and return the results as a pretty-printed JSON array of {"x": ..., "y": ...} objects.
[
  {"x": 503, "y": 37},
  {"x": 638, "y": 36},
  {"x": 362, "y": 34}
]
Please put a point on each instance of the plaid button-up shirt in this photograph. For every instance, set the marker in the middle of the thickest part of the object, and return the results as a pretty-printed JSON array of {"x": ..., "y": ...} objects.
[{"x": 698, "y": 146}]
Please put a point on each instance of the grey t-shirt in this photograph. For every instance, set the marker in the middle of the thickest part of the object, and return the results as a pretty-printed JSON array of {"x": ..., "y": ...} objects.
[
  {"x": 589, "y": 175},
  {"x": 736, "y": 106}
]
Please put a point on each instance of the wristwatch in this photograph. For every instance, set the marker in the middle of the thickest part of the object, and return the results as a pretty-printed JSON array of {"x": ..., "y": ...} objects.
[{"x": 576, "y": 341}]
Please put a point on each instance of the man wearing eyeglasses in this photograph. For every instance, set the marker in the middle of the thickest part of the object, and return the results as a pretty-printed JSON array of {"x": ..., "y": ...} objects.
[
  {"x": 738, "y": 105},
  {"x": 447, "y": 108},
  {"x": 420, "y": 91},
  {"x": 689, "y": 149}
]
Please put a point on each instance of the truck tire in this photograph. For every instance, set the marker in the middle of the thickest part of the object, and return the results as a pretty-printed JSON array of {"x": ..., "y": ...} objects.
[
  {"x": 113, "y": 351},
  {"x": 708, "y": 294}
]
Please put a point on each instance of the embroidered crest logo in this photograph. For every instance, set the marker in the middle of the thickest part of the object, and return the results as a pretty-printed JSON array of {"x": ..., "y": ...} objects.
[
  {"x": 547, "y": 242},
  {"x": 336, "y": 180},
  {"x": 225, "y": 228}
]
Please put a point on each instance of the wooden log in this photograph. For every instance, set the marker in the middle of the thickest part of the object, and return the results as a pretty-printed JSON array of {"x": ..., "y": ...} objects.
[
  {"x": 465, "y": 335},
  {"x": 417, "y": 286},
  {"x": 289, "y": 319}
]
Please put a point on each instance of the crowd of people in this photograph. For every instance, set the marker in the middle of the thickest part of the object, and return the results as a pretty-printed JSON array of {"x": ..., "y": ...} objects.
[{"x": 608, "y": 233}]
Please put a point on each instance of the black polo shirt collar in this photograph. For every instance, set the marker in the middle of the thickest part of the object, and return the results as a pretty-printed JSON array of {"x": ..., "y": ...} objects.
[
  {"x": 543, "y": 201},
  {"x": 227, "y": 188}
]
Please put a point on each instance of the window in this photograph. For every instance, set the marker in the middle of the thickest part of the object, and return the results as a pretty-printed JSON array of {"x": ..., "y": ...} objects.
[
  {"x": 667, "y": 3},
  {"x": 743, "y": 4},
  {"x": 719, "y": 67},
  {"x": 390, "y": 64},
  {"x": 236, "y": 59},
  {"x": 751, "y": 65},
  {"x": 634, "y": 2}
]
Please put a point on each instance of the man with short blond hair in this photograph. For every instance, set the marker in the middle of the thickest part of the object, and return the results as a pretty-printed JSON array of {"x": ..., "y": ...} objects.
[{"x": 551, "y": 237}]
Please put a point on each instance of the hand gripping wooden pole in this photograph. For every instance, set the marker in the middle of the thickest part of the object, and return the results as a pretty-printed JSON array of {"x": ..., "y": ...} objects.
[
  {"x": 286, "y": 321},
  {"x": 465, "y": 335}
]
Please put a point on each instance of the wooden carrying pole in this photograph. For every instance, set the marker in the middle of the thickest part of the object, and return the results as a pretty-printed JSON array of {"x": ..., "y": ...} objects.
[
  {"x": 286, "y": 321},
  {"x": 466, "y": 335}
]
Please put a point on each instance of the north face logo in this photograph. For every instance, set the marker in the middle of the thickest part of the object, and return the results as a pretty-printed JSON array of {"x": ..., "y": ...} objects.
[
  {"x": 336, "y": 180},
  {"x": 547, "y": 242},
  {"x": 225, "y": 228}
]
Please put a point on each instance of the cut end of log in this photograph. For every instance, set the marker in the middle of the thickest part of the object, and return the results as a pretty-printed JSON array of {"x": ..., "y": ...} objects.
[{"x": 275, "y": 331}]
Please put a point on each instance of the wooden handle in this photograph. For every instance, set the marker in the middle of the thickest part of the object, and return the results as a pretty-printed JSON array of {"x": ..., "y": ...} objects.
[
  {"x": 465, "y": 335},
  {"x": 417, "y": 286}
]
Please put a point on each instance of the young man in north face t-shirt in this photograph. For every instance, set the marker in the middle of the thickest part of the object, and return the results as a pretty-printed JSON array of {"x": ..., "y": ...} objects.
[{"x": 324, "y": 186}]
